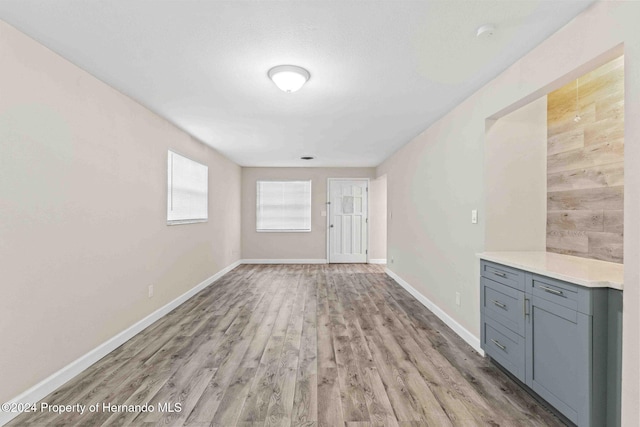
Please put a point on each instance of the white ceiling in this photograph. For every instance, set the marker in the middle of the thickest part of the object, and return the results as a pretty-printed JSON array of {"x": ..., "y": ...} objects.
[{"x": 381, "y": 71}]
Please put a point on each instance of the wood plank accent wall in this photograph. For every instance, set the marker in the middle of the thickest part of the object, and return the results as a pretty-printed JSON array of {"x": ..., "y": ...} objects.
[{"x": 585, "y": 166}]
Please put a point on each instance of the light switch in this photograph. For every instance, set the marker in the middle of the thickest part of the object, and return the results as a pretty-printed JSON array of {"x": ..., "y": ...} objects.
[
  {"x": 474, "y": 216},
  {"x": 323, "y": 213}
]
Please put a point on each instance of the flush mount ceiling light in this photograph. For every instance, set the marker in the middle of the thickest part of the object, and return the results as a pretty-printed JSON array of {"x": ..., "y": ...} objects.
[
  {"x": 485, "y": 31},
  {"x": 289, "y": 78}
]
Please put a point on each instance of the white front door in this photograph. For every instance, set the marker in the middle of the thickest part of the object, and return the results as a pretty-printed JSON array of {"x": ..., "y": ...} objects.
[{"x": 348, "y": 205}]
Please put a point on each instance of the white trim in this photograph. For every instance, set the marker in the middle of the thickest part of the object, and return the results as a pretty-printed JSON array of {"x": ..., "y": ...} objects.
[
  {"x": 328, "y": 207},
  {"x": 471, "y": 339},
  {"x": 283, "y": 231},
  {"x": 186, "y": 221},
  {"x": 57, "y": 379},
  {"x": 378, "y": 261},
  {"x": 283, "y": 261}
]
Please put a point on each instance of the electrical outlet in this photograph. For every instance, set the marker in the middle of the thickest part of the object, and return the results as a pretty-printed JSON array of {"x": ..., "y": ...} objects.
[
  {"x": 150, "y": 291},
  {"x": 474, "y": 216},
  {"x": 458, "y": 299}
]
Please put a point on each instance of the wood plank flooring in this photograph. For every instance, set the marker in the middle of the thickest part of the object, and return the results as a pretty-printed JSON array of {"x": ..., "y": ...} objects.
[{"x": 298, "y": 345}]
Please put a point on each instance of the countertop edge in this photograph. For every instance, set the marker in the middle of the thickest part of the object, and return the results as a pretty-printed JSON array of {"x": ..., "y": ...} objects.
[{"x": 552, "y": 274}]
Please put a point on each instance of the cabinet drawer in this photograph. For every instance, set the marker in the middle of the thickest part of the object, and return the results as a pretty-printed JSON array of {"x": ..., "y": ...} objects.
[
  {"x": 557, "y": 291},
  {"x": 504, "y": 346},
  {"x": 503, "y": 304},
  {"x": 503, "y": 274}
]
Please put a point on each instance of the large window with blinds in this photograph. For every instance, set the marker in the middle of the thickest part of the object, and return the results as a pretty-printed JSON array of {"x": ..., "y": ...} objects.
[
  {"x": 187, "y": 190},
  {"x": 283, "y": 206}
]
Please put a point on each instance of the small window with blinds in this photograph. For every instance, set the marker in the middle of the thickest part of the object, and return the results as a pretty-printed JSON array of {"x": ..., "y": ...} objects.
[
  {"x": 283, "y": 206},
  {"x": 187, "y": 190}
]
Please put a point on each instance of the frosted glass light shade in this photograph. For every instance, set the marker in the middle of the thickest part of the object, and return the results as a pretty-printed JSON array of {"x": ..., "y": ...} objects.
[{"x": 289, "y": 78}]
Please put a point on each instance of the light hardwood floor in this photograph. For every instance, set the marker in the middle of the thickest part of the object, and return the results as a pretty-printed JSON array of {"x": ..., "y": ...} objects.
[{"x": 299, "y": 345}]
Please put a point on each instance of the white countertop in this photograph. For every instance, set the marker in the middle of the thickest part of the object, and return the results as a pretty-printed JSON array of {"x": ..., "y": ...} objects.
[{"x": 581, "y": 271}]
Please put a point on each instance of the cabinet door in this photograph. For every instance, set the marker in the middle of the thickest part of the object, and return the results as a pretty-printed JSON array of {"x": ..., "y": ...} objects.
[{"x": 558, "y": 363}]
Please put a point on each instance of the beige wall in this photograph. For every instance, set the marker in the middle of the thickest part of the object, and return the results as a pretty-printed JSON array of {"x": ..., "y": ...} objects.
[
  {"x": 83, "y": 213},
  {"x": 436, "y": 179},
  {"x": 515, "y": 179},
  {"x": 312, "y": 245},
  {"x": 378, "y": 218}
]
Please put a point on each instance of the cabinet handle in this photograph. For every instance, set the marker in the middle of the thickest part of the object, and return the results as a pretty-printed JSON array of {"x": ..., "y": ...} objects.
[
  {"x": 499, "y": 304},
  {"x": 524, "y": 307},
  {"x": 500, "y": 274},
  {"x": 502, "y": 347},
  {"x": 551, "y": 291}
]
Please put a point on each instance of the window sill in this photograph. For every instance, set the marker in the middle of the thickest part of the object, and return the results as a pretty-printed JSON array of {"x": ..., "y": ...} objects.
[
  {"x": 186, "y": 221},
  {"x": 283, "y": 231}
]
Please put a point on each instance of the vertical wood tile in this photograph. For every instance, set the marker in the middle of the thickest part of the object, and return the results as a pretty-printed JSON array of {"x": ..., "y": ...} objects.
[
  {"x": 575, "y": 220},
  {"x": 613, "y": 221},
  {"x": 585, "y": 165}
]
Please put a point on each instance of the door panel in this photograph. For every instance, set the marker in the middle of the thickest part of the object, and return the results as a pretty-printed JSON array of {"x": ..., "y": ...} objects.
[
  {"x": 348, "y": 221},
  {"x": 557, "y": 357}
]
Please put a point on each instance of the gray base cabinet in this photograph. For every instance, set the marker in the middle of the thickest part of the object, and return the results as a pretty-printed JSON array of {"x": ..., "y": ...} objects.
[{"x": 561, "y": 340}]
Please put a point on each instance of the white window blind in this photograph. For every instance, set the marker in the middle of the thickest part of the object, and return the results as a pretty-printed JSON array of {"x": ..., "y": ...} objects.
[
  {"x": 283, "y": 206},
  {"x": 187, "y": 190}
]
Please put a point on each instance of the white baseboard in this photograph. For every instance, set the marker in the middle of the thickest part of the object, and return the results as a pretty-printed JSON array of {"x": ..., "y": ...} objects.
[
  {"x": 471, "y": 339},
  {"x": 283, "y": 261},
  {"x": 378, "y": 261},
  {"x": 51, "y": 383}
]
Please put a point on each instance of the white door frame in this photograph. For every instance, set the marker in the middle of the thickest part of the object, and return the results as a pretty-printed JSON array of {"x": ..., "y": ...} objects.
[{"x": 328, "y": 210}]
